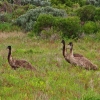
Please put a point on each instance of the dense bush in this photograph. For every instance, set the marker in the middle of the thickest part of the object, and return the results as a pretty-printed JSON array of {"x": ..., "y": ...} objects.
[
  {"x": 97, "y": 15},
  {"x": 43, "y": 21},
  {"x": 5, "y": 7},
  {"x": 5, "y": 26},
  {"x": 98, "y": 25},
  {"x": 10, "y": 1},
  {"x": 70, "y": 27},
  {"x": 33, "y": 2},
  {"x": 27, "y": 20},
  {"x": 8, "y": 27},
  {"x": 5, "y": 17},
  {"x": 94, "y": 2},
  {"x": 18, "y": 12},
  {"x": 36, "y": 2},
  {"x": 68, "y": 2},
  {"x": 90, "y": 27},
  {"x": 86, "y": 13},
  {"x": 82, "y": 2}
]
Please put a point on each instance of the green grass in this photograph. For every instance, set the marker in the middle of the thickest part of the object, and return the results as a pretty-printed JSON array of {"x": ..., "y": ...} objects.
[
  {"x": 5, "y": 26},
  {"x": 8, "y": 27},
  {"x": 55, "y": 79}
]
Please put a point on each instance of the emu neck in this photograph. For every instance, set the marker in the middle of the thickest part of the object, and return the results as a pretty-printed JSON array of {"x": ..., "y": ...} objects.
[
  {"x": 9, "y": 55},
  {"x": 71, "y": 51},
  {"x": 64, "y": 49}
]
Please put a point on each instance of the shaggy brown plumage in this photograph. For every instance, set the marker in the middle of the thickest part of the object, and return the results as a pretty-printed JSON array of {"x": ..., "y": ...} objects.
[
  {"x": 66, "y": 55},
  {"x": 80, "y": 60},
  {"x": 18, "y": 63}
]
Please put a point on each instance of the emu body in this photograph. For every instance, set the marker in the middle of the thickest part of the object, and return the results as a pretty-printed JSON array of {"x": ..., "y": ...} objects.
[
  {"x": 18, "y": 63},
  {"x": 80, "y": 60},
  {"x": 65, "y": 53},
  {"x": 77, "y": 59}
]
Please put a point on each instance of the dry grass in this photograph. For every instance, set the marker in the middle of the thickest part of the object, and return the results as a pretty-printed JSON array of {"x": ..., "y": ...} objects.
[{"x": 5, "y": 35}]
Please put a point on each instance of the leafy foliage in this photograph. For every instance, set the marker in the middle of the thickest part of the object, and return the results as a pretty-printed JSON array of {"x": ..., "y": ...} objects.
[
  {"x": 90, "y": 27},
  {"x": 94, "y": 2},
  {"x": 43, "y": 21},
  {"x": 33, "y": 2},
  {"x": 8, "y": 27},
  {"x": 6, "y": 17},
  {"x": 68, "y": 2},
  {"x": 18, "y": 12},
  {"x": 36, "y": 2},
  {"x": 97, "y": 14},
  {"x": 5, "y": 7},
  {"x": 27, "y": 16},
  {"x": 86, "y": 13},
  {"x": 26, "y": 21},
  {"x": 98, "y": 25},
  {"x": 69, "y": 26},
  {"x": 5, "y": 26},
  {"x": 10, "y": 1}
]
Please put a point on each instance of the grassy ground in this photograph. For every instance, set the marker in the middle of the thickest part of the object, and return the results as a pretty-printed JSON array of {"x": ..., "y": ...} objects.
[{"x": 55, "y": 79}]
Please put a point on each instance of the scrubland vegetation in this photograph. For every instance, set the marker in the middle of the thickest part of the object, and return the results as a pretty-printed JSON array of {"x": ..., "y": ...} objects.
[{"x": 34, "y": 29}]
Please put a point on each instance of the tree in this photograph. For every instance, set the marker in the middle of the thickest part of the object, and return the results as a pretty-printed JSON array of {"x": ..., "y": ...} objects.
[{"x": 86, "y": 13}]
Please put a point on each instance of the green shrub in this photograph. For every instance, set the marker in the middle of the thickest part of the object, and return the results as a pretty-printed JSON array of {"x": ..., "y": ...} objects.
[
  {"x": 36, "y": 2},
  {"x": 10, "y": 1},
  {"x": 86, "y": 13},
  {"x": 90, "y": 27},
  {"x": 6, "y": 17},
  {"x": 70, "y": 27},
  {"x": 68, "y": 2},
  {"x": 27, "y": 20},
  {"x": 61, "y": 6},
  {"x": 43, "y": 21},
  {"x": 94, "y": 2},
  {"x": 97, "y": 14},
  {"x": 98, "y": 25},
  {"x": 18, "y": 12},
  {"x": 5, "y": 26},
  {"x": 5, "y": 6},
  {"x": 8, "y": 27},
  {"x": 27, "y": 7},
  {"x": 30, "y": 6},
  {"x": 82, "y": 2}
]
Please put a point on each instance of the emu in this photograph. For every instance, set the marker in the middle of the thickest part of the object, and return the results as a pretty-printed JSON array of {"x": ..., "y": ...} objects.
[
  {"x": 18, "y": 63},
  {"x": 77, "y": 59}
]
